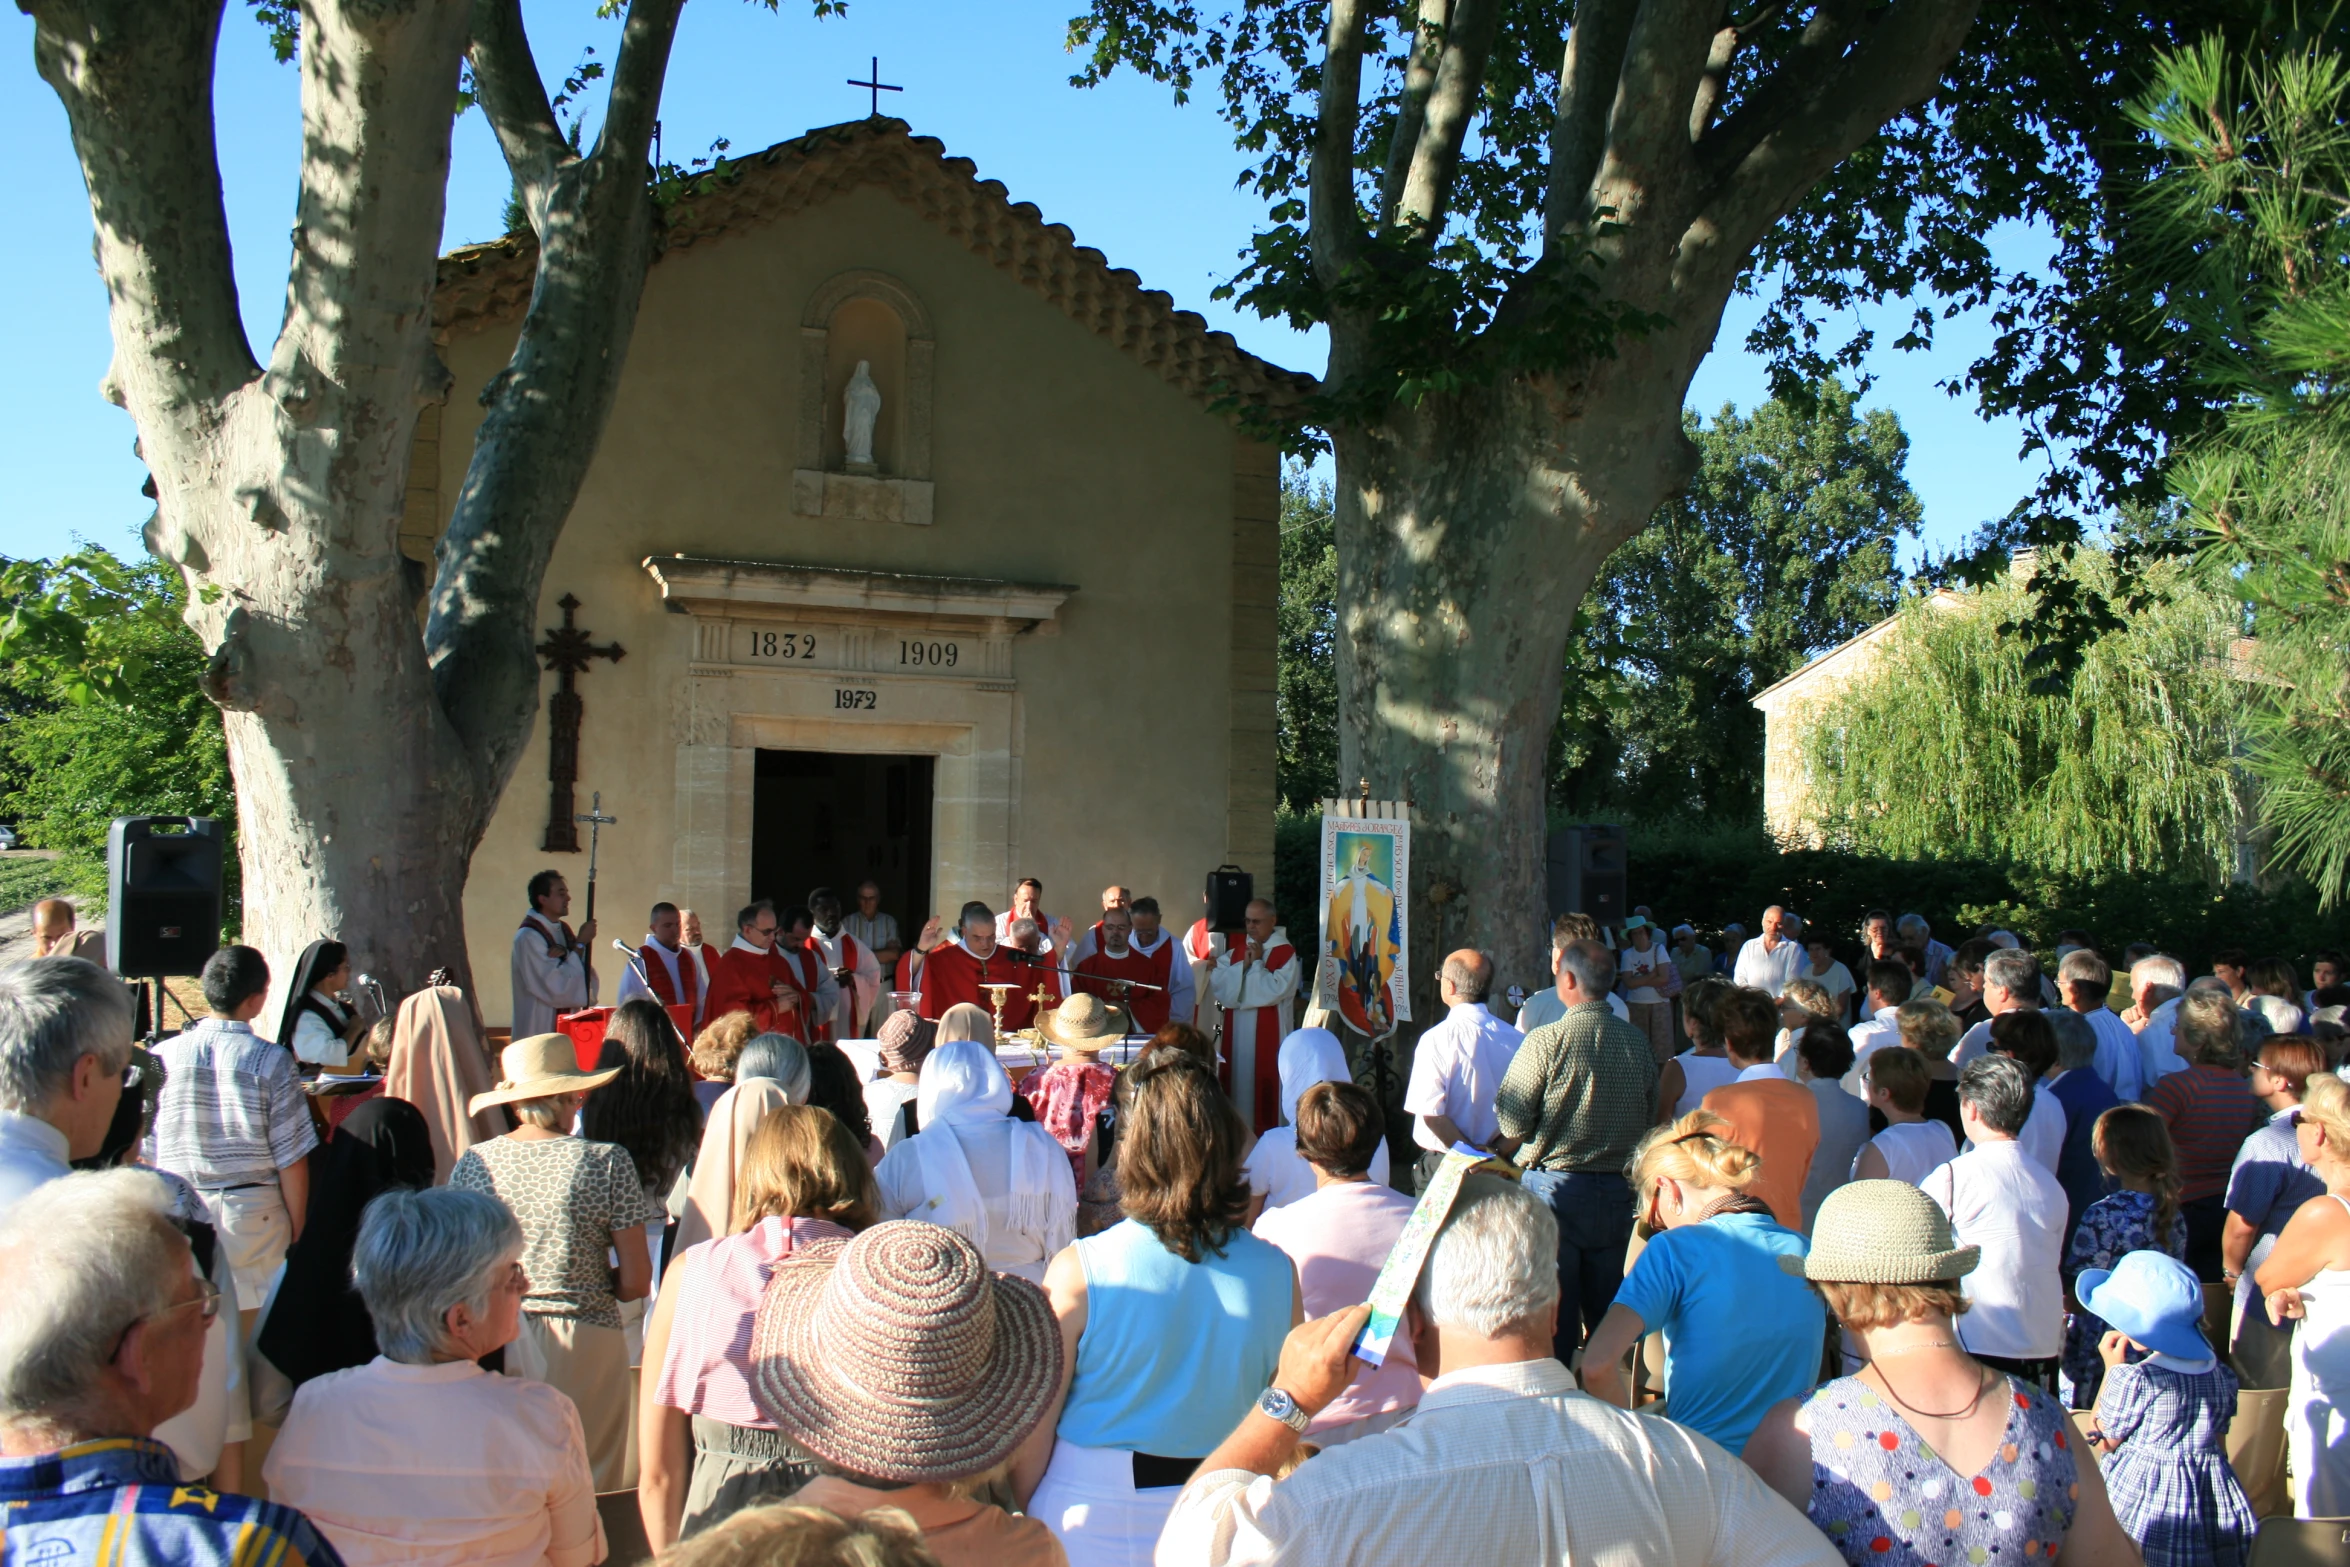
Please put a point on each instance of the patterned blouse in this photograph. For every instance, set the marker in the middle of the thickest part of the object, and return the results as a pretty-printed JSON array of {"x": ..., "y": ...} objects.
[
  {"x": 2111, "y": 1228},
  {"x": 1884, "y": 1498},
  {"x": 571, "y": 1197}
]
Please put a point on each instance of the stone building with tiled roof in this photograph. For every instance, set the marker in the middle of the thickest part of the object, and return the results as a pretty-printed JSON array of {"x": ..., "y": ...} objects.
[{"x": 1031, "y": 634}]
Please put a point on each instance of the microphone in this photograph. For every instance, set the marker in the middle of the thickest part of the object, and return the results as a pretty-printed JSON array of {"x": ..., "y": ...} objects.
[{"x": 629, "y": 953}]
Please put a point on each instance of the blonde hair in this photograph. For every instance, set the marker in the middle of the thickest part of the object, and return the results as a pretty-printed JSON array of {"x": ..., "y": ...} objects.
[
  {"x": 1696, "y": 1149},
  {"x": 1812, "y": 996},
  {"x": 2327, "y": 1102},
  {"x": 788, "y": 1535},
  {"x": 717, "y": 1046},
  {"x": 803, "y": 1164},
  {"x": 1901, "y": 1072},
  {"x": 1929, "y": 1028},
  {"x": 1862, "y": 1306}
]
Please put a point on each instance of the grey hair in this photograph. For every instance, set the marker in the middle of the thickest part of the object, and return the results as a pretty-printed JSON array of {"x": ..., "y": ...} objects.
[
  {"x": 419, "y": 1253},
  {"x": 2274, "y": 1014},
  {"x": 2014, "y": 970},
  {"x": 1473, "y": 979},
  {"x": 1913, "y": 925},
  {"x": 53, "y": 1012},
  {"x": 85, "y": 1257},
  {"x": 1593, "y": 966},
  {"x": 2208, "y": 1027},
  {"x": 2000, "y": 1090},
  {"x": 2076, "y": 1040},
  {"x": 1493, "y": 1269},
  {"x": 2160, "y": 969},
  {"x": 777, "y": 1056},
  {"x": 2084, "y": 967}
]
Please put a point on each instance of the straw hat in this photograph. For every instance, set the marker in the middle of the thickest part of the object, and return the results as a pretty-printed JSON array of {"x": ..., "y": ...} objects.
[
  {"x": 1882, "y": 1232},
  {"x": 539, "y": 1067},
  {"x": 904, "y": 1359},
  {"x": 1083, "y": 1022}
]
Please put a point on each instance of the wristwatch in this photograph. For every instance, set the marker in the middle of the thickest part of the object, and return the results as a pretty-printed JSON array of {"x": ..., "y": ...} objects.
[{"x": 1274, "y": 1404}]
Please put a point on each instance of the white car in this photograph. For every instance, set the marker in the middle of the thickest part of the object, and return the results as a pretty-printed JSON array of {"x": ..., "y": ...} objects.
[{"x": 7, "y": 837}]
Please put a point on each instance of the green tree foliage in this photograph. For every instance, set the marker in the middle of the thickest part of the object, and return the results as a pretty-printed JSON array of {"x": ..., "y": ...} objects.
[
  {"x": 1783, "y": 545},
  {"x": 2245, "y": 234},
  {"x": 1306, "y": 699},
  {"x": 1949, "y": 745},
  {"x": 105, "y": 718}
]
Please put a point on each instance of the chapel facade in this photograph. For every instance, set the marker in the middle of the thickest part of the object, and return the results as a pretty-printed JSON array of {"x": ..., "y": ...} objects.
[{"x": 1018, "y": 621}]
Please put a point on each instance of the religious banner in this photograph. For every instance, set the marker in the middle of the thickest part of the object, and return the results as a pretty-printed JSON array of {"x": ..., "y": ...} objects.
[{"x": 1364, "y": 976}]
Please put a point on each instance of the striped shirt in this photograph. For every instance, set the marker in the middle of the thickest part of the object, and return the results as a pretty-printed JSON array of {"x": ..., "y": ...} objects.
[
  {"x": 231, "y": 1112},
  {"x": 2210, "y": 1111},
  {"x": 119, "y": 1500},
  {"x": 1580, "y": 1092}
]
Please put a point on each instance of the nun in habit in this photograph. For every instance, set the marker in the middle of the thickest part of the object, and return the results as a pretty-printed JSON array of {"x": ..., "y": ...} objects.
[{"x": 317, "y": 1025}]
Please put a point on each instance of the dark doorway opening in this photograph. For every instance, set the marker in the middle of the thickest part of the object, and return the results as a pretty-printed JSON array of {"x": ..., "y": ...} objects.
[{"x": 830, "y": 819}]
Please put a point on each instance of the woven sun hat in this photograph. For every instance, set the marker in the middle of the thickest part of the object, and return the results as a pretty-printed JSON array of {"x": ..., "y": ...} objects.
[
  {"x": 1083, "y": 1022},
  {"x": 539, "y": 1067},
  {"x": 2153, "y": 1298},
  {"x": 1882, "y": 1232},
  {"x": 905, "y": 1359}
]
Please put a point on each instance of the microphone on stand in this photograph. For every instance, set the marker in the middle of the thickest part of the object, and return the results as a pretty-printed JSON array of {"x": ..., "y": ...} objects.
[{"x": 629, "y": 953}]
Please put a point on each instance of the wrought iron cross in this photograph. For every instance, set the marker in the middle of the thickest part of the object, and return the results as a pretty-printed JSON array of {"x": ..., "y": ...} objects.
[
  {"x": 567, "y": 651},
  {"x": 875, "y": 85}
]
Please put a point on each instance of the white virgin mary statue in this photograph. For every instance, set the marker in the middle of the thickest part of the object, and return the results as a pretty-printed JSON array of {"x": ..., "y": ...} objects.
[{"x": 864, "y": 408}]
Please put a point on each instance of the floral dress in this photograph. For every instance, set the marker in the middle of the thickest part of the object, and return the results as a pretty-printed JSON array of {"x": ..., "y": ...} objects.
[
  {"x": 1886, "y": 1499},
  {"x": 2113, "y": 1227},
  {"x": 2171, "y": 1484}
]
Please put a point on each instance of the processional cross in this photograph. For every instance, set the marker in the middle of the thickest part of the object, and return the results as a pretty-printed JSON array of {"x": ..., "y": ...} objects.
[
  {"x": 875, "y": 85},
  {"x": 567, "y": 651}
]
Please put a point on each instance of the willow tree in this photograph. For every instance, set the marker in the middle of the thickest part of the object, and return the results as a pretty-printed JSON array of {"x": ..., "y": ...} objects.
[
  {"x": 369, "y": 743},
  {"x": 1953, "y": 746}
]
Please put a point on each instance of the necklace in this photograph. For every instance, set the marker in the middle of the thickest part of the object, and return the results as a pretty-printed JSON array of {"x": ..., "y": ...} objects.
[
  {"x": 1912, "y": 1349},
  {"x": 1931, "y": 1414}
]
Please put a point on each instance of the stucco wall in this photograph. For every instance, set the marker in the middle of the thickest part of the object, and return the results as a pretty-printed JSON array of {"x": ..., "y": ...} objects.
[{"x": 1139, "y": 712}]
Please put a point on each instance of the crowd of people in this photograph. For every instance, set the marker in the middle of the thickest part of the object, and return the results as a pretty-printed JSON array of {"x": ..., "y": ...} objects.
[{"x": 1767, "y": 1258}]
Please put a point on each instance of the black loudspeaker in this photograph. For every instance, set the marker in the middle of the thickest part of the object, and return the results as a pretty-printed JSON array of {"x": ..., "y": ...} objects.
[
  {"x": 163, "y": 912},
  {"x": 1604, "y": 871},
  {"x": 1562, "y": 867},
  {"x": 1229, "y": 890}
]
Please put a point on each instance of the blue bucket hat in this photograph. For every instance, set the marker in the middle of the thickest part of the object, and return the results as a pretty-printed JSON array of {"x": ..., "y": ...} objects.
[{"x": 2153, "y": 1298}]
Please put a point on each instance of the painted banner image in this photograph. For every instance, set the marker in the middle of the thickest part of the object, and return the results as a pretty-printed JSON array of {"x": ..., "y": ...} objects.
[{"x": 1364, "y": 978}]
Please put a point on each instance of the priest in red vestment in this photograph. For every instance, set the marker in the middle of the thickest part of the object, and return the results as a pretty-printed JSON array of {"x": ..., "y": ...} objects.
[
  {"x": 819, "y": 991},
  {"x": 1255, "y": 983},
  {"x": 668, "y": 970},
  {"x": 957, "y": 971},
  {"x": 1117, "y": 973},
  {"x": 753, "y": 976}
]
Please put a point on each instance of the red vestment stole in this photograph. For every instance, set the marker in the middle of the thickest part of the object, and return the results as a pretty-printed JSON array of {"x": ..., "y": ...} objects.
[
  {"x": 1265, "y": 1023},
  {"x": 744, "y": 981},
  {"x": 689, "y": 978},
  {"x": 1149, "y": 1007},
  {"x": 952, "y": 976},
  {"x": 804, "y": 967}
]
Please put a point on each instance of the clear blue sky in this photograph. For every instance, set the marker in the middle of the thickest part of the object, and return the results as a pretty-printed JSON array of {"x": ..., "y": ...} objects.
[{"x": 1148, "y": 184}]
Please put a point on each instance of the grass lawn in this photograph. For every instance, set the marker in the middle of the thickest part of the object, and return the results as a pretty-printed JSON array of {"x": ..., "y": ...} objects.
[{"x": 27, "y": 877}]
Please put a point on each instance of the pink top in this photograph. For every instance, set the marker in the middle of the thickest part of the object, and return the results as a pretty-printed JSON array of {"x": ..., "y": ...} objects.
[
  {"x": 718, "y": 1285},
  {"x": 1338, "y": 1237},
  {"x": 440, "y": 1463}
]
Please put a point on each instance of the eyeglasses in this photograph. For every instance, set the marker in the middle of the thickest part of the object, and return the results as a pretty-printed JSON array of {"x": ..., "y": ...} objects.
[{"x": 206, "y": 1300}]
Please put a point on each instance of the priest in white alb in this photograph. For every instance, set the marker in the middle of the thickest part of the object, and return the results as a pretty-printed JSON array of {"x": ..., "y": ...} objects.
[
  {"x": 550, "y": 964},
  {"x": 851, "y": 963},
  {"x": 1254, "y": 982},
  {"x": 666, "y": 969}
]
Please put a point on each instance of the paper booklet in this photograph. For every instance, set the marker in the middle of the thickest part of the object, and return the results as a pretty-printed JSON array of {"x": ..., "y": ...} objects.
[{"x": 1392, "y": 1291}]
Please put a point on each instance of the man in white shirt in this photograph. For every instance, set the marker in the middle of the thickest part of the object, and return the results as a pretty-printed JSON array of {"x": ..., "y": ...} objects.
[
  {"x": 549, "y": 968},
  {"x": 2011, "y": 982},
  {"x": 2085, "y": 979},
  {"x": 1545, "y": 1006},
  {"x": 1773, "y": 958},
  {"x": 1503, "y": 1461},
  {"x": 65, "y": 1042},
  {"x": 2001, "y": 1199},
  {"x": 2156, "y": 983},
  {"x": 1459, "y": 1064},
  {"x": 1889, "y": 986}
]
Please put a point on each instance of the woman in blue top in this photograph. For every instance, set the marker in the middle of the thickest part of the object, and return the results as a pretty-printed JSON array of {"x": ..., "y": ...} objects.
[
  {"x": 1740, "y": 1332},
  {"x": 1171, "y": 1324}
]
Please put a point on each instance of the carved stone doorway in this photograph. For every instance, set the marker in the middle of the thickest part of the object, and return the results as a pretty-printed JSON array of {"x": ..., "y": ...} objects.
[{"x": 835, "y": 819}]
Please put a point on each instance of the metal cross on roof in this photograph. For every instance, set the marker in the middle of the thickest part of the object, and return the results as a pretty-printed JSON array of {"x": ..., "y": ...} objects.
[{"x": 875, "y": 85}]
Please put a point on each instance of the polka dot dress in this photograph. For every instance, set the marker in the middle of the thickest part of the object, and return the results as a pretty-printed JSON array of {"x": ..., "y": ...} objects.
[{"x": 1883, "y": 1497}]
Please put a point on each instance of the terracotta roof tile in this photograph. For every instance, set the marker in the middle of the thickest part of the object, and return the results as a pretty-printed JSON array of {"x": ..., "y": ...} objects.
[{"x": 481, "y": 284}]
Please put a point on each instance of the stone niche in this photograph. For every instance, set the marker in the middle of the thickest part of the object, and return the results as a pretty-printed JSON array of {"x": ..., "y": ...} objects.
[{"x": 871, "y": 317}]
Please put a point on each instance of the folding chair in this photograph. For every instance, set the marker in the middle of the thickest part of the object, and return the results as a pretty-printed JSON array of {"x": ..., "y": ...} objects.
[{"x": 2302, "y": 1542}]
